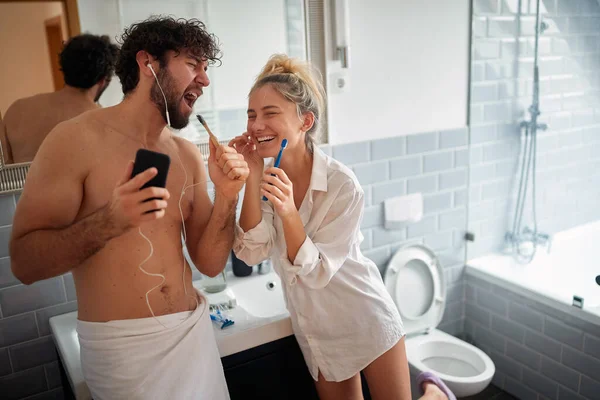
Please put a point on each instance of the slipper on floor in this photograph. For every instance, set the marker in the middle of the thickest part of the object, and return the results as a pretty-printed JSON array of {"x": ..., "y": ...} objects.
[{"x": 430, "y": 377}]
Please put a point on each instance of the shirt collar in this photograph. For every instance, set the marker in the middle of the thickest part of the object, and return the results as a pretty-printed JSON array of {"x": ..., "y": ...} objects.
[{"x": 318, "y": 179}]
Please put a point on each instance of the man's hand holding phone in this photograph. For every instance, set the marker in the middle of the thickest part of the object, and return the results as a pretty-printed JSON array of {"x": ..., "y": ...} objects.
[{"x": 134, "y": 201}]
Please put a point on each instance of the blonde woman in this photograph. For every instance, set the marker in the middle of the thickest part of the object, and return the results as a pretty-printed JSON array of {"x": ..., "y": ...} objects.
[{"x": 342, "y": 315}]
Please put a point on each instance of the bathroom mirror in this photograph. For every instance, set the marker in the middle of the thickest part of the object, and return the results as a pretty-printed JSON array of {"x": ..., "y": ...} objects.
[{"x": 248, "y": 33}]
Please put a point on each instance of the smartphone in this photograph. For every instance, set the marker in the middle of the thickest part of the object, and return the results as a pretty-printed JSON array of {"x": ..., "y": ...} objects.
[{"x": 145, "y": 159}]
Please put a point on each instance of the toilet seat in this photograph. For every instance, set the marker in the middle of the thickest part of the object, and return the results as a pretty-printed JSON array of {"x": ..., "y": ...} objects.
[{"x": 415, "y": 280}]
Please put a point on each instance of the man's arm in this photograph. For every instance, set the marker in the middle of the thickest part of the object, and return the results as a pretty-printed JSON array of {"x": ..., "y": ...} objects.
[
  {"x": 6, "y": 149},
  {"x": 46, "y": 239},
  {"x": 210, "y": 228}
]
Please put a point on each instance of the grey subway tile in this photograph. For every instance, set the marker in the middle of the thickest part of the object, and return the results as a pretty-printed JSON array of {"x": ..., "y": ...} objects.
[
  {"x": 383, "y": 236},
  {"x": 461, "y": 158},
  {"x": 426, "y": 226},
  {"x": 561, "y": 374},
  {"x": 505, "y": 365},
  {"x": 526, "y": 316},
  {"x": 43, "y": 316},
  {"x": 460, "y": 198},
  {"x": 492, "y": 302},
  {"x": 384, "y": 191},
  {"x": 523, "y": 355},
  {"x": 543, "y": 345},
  {"x": 591, "y": 346},
  {"x": 439, "y": 241},
  {"x": 438, "y": 161},
  {"x": 456, "y": 219},
  {"x": 583, "y": 363},
  {"x": 4, "y": 240},
  {"x": 421, "y": 143},
  {"x": 7, "y": 209},
  {"x": 70, "y": 287},
  {"x": 54, "y": 394},
  {"x": 5, "y": 367},
  {"x": 563, "y": 333},
  {"x": 484, "y": 92},
  {"x": 486, "y": 49},
  {"x": 519, "y": 390},
  {"x": 425, "y": 184},
  {"x": 23, "y": 384},
  {"x": 53, "y": 375},
  {"x": 353, "y": 153},
  {"x": 32, "y": 354},
  {"x": 372, "y": 172},
  {"x": 478, "y": 314},
  {"x": 483, "y": 7},
  {"x": 566, "y": 394},
  {"x": 540, "y": 384},
  {"x": 379, "y": 256},
  {"x": 509, "y": 329},
  {"x": 20, "y": 299},
  {"x": 388, "y": 148},
  {"x": 373, "y": 216},
  {"x": 589, "y": 387},
  {"x": 453, "y": 179},
  {"x": 488, "y": 338},
  {"x": 453, "y": 138},
  {"x": 17, "y": 329},
  {"x": 6, "y": 276},
  {"x": 433, "y": 203},
  {"x": 367, "y": 242},
  {"x": 405, "y": 167}
]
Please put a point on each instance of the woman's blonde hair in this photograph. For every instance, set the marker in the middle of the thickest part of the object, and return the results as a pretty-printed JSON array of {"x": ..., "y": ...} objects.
[{"x": 298, "y": 82}]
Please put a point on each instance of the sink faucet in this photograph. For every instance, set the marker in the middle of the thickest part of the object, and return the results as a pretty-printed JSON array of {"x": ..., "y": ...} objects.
[{"x": 264, "y": 267}]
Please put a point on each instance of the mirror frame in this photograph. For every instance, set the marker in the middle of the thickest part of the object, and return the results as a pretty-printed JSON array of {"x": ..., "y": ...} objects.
[{"x": 12, "y": 176}]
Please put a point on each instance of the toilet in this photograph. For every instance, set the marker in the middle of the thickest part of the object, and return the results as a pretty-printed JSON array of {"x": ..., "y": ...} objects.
[{"x": 415, "y": 280}]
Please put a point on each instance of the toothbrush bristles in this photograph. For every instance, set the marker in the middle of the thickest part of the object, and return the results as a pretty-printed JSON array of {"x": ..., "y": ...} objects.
[{"x": 213, "y": 138}]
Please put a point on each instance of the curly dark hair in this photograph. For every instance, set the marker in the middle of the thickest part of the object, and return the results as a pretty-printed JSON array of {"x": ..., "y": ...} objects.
[
  {"x": 157, "y": 35},
  {"x": 86, "y": 59}
]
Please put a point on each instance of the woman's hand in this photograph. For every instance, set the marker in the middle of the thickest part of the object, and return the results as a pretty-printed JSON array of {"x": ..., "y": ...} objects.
[
  {"x": 244, "y": 145},
  {"x": 279, "y": 191}
]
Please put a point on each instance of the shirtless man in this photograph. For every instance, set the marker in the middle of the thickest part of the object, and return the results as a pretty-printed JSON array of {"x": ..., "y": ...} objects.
[
  {"x": 88, "y": 63},
  {"x": 81, "y": 212}
]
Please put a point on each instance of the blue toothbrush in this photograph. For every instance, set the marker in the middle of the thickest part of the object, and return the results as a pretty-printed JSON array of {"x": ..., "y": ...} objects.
[{"x": 278, "y": 159}]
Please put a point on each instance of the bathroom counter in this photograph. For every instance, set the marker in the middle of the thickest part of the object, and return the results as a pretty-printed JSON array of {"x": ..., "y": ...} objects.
[{"x": 254, "y": 325}]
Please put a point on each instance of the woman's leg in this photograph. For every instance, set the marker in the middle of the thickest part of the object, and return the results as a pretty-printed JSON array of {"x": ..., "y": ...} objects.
[
  {"x": 388, "y": 375},
  {"x": 432, "y": 392},
  {"x": 350, "y": 389}
]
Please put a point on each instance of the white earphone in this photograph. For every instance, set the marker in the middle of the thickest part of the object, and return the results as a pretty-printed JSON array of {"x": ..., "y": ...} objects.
[{"x": 163, "y": 93}]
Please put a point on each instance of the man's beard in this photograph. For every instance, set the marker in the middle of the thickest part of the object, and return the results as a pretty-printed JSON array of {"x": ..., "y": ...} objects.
[{"x": 178, "y": 120}]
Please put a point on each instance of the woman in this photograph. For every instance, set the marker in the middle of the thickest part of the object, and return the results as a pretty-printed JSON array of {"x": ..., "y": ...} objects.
[{"x": 342, "y": 315}]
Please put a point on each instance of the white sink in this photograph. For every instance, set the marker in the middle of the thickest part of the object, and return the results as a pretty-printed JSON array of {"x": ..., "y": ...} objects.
[{"x": 260, "y": 295}]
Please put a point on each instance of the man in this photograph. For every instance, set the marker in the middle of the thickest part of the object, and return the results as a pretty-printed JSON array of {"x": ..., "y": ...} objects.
[
  {"x": 143, "y": 330},
  {"x": 87, "y": 62}
]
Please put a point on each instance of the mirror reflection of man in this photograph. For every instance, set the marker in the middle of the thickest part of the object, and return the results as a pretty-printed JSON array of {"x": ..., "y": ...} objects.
[{"x": 88, "y": 63}]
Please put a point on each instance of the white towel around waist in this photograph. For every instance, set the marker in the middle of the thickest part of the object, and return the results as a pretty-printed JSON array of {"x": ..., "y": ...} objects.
[{"x": 141, "y": 359}]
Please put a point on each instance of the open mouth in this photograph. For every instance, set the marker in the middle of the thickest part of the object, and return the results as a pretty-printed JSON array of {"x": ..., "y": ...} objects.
[
  {"x": 265, "y": 139},
  {"x": 190, "y": 98}
]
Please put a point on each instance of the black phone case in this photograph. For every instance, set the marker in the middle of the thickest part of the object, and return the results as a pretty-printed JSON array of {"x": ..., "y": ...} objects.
[{"x": 145, "y": 159}]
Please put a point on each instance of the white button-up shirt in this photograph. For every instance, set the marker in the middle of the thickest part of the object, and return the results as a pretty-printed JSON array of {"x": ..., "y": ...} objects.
[{"x": 342, "y": 315}]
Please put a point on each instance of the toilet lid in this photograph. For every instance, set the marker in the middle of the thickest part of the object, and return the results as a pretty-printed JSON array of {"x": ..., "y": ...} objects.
[{"x": 415, "y": 280}]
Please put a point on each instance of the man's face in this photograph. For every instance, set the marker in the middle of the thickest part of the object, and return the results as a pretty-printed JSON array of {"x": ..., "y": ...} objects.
[{"x": 182, "y": 81}]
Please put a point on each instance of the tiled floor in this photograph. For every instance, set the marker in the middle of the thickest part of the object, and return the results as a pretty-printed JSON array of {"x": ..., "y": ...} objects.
[{"x": 491, "y": 393}]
